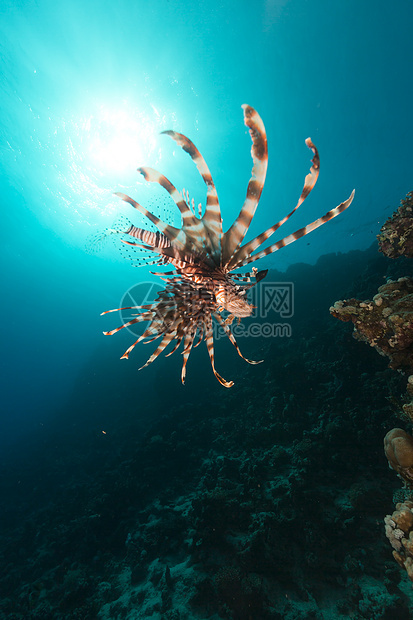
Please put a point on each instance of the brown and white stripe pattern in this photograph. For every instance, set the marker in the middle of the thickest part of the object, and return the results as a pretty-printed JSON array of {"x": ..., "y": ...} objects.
[
  {"x": 151, "y": 239},
  {"x": 204, "y": 258},
  {"x": 299, "y": 233},
  {"x": 259, "y": 152},
  {"x": 209, "y": 339},
  {"x": 212, "y": 216},
  {"x": 309, "y": 183}
]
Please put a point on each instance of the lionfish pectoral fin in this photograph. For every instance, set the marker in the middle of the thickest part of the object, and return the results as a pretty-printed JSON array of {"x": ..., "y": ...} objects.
[
  {"x": 231, "y": 338},
  {"x": 117, "y": 309},
  {"x": 179, "y": 340},
  {"x": 210, "y": 346},
  {"x": 188, "y": 343},
  {"x": 117, "y": 329},
  {"x": 125, "y": 356},
  {"x": 164, "y": 343},
  {"x": 227, "y": 384}
]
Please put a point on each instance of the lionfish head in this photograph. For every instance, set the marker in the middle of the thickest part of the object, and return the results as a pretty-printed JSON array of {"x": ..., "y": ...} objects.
[
  {"x": 233, "y": 300},
  {"x": 238, "y": 306}
]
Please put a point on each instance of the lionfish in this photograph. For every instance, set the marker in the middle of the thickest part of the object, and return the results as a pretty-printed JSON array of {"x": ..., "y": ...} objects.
[{"x": 203, "y": 284}]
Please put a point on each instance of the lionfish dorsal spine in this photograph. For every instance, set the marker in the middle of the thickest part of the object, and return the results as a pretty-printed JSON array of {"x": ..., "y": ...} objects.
[
  {"x": 309, "y": 183},
  {"x": 153, "y": 176},
  {"x": 259, "y": 152},
  {"x": 211, "y": 219},
  {"x": 298, "y": 233}
]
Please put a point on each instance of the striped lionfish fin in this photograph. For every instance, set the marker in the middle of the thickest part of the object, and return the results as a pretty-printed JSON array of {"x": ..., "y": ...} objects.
[
  {"x": 212, "y": 216},
  {"x": 309, "y": 183},
  {"x": 170, "y": 335},
  {"x": 142, "y": 317},
  {"x": 259, "y": 152},
  {"x": 231, "y": 337},
  {"x": 118, "y": 309},
  {"x": 193, "y": 229},
  {"x": 299, "y": 233},
  {"x": 200, "y": 336},
  {"x": 209, "y": 338},
  {"x": 125, "y": 356},
  {"x": 152, "y": 239},
  {"x": 148, "y": 332},
  {"x": 173, "y": 234},
  {"x": 179, "y": 340},
  {"x": 212, "y": 213},
  {"x": 153, "y": 176},
  {"x": 188, "y": 342}
]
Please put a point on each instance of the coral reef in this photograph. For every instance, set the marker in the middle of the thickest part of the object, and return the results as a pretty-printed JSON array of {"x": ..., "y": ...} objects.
[
  {"x": 398, "y": 448},
  {"x": 396, "y": 235},
  {"x": 386, "y": 322},
  {"x": 399, "y": 531}
]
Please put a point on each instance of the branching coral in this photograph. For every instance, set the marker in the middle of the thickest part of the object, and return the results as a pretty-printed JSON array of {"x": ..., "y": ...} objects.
[
  {"x": 396, "y": 235},
  {"x": 399, "y": 531},
  {"x": 386, "y": 322}
]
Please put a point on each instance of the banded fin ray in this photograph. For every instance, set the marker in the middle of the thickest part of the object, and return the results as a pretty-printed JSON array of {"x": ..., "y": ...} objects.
[
  {"x": 153, "y": 176},
  {"x": 259, "y": 152},
  {"x": 188, "y": 342},
  {"x": 212, "y": 215},
  {"x": 193, "y": 229},
  {"x": 231, "y": 338},
  {"x": 299, "y": 233},
  {"x": 170, "y": 335},
  {"x": 309, "y": 183},
  {"x": 209, "y": 338}
]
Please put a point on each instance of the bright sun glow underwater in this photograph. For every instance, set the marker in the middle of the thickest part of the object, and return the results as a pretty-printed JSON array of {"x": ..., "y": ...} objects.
[{"x": 120, "y": 139}]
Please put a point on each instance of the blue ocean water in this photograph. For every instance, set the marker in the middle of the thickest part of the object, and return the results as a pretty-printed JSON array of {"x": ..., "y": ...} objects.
[{"x": 86, "y": 88}]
